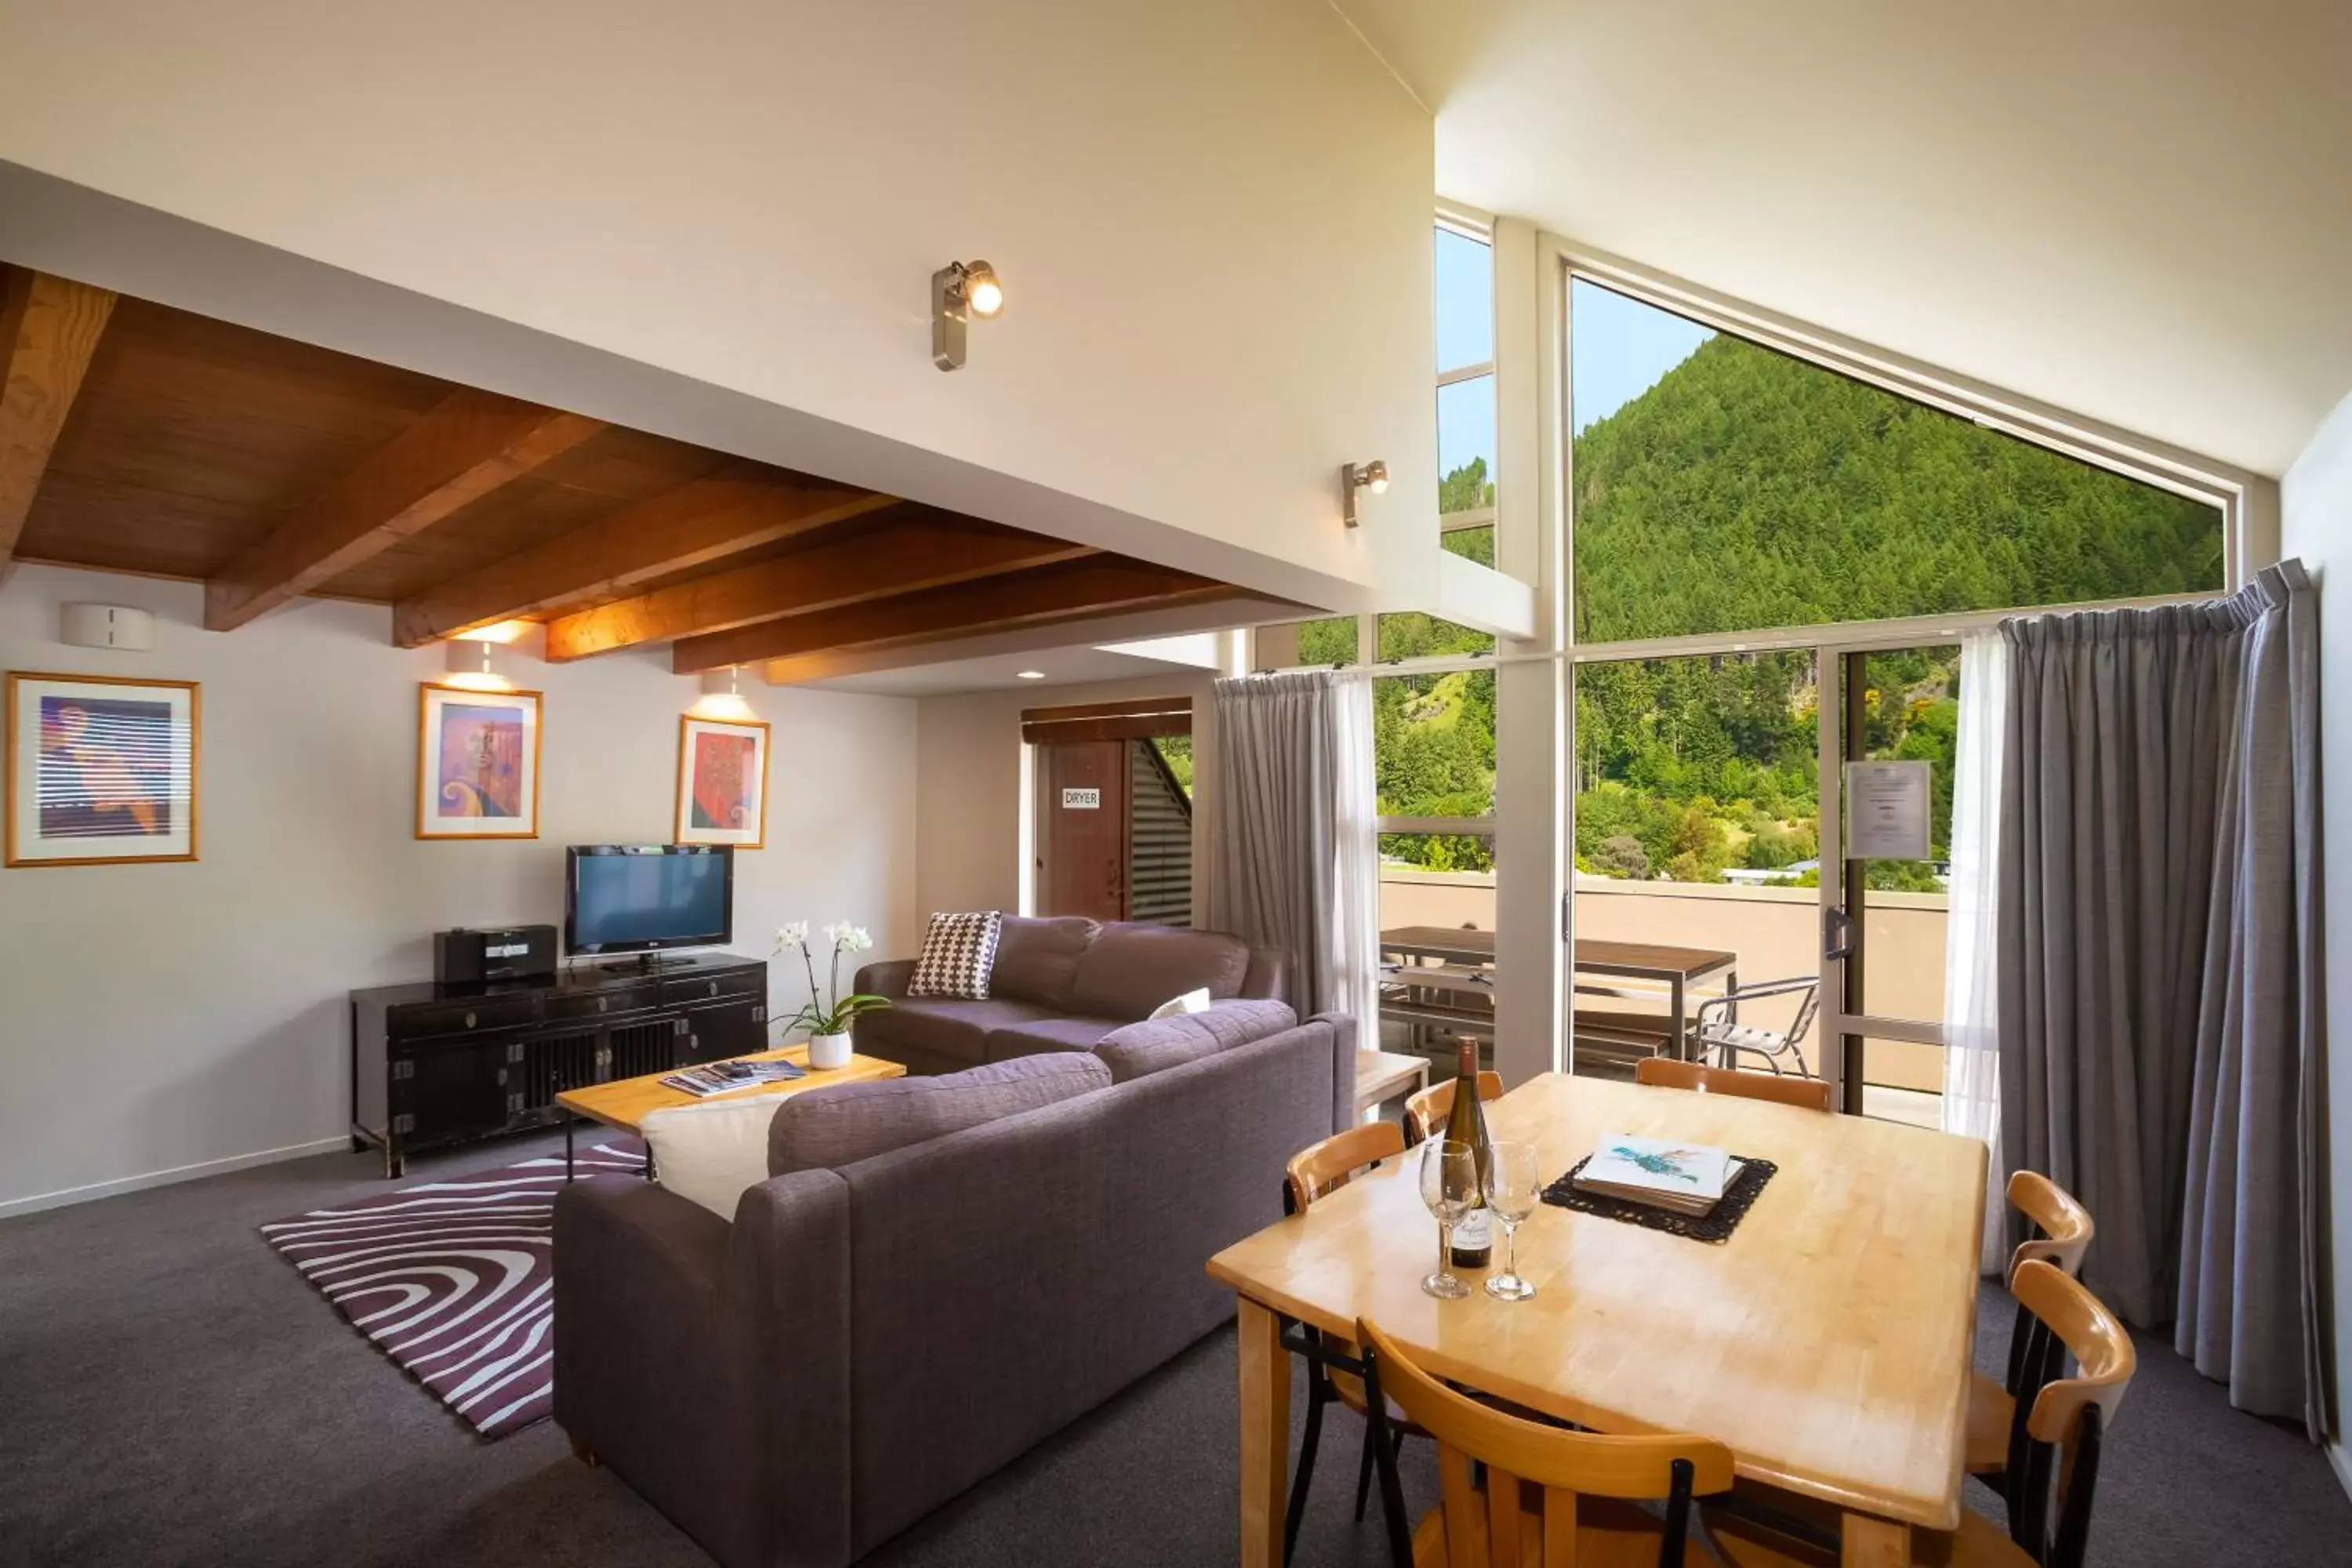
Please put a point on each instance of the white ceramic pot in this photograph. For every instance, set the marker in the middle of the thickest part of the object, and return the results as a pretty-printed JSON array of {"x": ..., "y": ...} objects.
[{"x": 828, "y": 1051}]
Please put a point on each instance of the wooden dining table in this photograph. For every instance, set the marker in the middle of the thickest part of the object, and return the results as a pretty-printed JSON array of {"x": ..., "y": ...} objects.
[
  {"x": 1828, "y": 1342},
  {"x": 1677, "y": 968}
]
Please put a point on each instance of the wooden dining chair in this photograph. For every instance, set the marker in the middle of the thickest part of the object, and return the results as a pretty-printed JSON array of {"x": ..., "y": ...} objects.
[
  {"x": 1549, "y": 1496},
  {"x": 2059, "y": 1434},
  {"x": 2061, "y": 1234},
  {"x": 1427, "y": 1111},
  {"x": 1314, "y": 1171},
  {"x": 1665, "y": 1072}
]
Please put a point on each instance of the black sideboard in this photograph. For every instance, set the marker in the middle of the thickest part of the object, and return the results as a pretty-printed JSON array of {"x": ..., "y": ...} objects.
[{"x": 436, "y": 1065}]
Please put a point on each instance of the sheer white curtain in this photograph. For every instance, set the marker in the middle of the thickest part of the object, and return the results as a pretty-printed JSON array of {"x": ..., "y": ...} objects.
[
  {"x": 1354, "y": 819},
  {"x": 1971, "y": 1004}
]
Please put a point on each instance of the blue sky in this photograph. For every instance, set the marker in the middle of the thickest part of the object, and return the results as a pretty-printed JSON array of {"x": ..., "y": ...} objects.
[{"x": 1619, "y": 350}]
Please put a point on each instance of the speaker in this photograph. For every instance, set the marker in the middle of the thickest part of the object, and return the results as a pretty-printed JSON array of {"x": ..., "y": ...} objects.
[{"x": 464, "y": 957}]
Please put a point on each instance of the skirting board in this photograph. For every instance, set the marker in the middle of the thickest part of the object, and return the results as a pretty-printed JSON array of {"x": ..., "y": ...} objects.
[
  {"x": 2339, "y": 1459},
  {"x": 96, "y": 1189}
]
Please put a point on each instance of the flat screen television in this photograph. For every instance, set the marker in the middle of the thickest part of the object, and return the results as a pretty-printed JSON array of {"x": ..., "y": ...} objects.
[{"x": 643, "y": 898}]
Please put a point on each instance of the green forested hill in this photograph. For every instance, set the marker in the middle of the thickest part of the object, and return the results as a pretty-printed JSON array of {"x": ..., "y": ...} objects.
[{"x": 1749, "y": 489}]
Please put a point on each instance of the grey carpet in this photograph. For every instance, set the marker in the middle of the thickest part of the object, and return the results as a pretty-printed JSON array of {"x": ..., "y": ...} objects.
[{"x": 170, "y": 1394}]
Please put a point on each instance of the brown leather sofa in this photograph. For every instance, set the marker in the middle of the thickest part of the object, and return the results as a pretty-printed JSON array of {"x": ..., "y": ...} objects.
[{"x": 1060, "y": 984}]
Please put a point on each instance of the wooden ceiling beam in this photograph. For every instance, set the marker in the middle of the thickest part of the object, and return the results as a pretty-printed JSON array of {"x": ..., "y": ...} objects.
[
  {"x": 926, "y": 550},
  {"x": 49, "y": 327},
  {"x": 464, "y": 446},
  {"x": 742, "y": 507},
  {"x": 1072, "y": 591}
]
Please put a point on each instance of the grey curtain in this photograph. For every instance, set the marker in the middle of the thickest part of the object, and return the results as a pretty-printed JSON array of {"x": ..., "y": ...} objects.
[
  {"x": 2157, "y": 972},
  {"x": 1278, "y": 788}
]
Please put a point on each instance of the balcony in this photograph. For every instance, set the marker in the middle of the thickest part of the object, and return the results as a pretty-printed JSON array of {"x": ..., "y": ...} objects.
[{"x": 1776, "y": 932}]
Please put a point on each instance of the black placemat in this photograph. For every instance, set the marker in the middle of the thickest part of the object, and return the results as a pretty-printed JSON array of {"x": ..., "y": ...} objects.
[{"x": 1715, "y": 1228}]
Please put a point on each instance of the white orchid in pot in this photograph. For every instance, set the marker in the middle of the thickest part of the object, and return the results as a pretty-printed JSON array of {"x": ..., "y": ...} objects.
[{"x": 827, "y": 1014}]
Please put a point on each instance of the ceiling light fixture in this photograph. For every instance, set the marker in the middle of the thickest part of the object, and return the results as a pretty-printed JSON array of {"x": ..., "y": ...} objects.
[
  {"x": 961, "y": 290},
  {"x": 1028, "y": 675},
  {"x": 473, "y": 667},
  {"x": 722, "y": 695},
  {"x": 1353, "y": 476}
]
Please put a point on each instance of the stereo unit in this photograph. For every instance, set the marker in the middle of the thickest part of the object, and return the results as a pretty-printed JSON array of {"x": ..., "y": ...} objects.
[{"x": 463, "y": 957}]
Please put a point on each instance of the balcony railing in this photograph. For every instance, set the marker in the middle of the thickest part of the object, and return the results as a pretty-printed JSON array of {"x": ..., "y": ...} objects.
[{"x": 1775, "y": 930}]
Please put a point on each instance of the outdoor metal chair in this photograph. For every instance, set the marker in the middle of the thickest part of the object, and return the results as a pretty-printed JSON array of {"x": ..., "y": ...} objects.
[{"x": 1716, "y": 1029}]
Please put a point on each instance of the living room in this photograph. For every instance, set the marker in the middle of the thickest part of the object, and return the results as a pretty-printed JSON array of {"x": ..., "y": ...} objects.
[{"x": 1562, "y": 541}]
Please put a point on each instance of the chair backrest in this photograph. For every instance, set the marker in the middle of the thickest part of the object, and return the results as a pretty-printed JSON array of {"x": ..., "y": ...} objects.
[
  {"x": 2061, "y": 1422},
  {"x": 1488, "y": 1532},
  {"x": 1665, "y": 1072},
  {"x": 1806, "y": 1010},
  {"x": 1425, "y": 1111},
  {"x": 1321, "y": 1167},
  {"x": 2064, "y": 1224}
]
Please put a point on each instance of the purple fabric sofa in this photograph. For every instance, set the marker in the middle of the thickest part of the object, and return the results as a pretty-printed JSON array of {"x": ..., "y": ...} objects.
[
  {"x": 863, "y": 1343},
  {"x": 1060, "y": 984}
]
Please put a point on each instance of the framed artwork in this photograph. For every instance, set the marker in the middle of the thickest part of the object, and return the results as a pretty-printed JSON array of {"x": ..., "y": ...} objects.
[
  {"x": 722, "y": 782},
  {"x": 476, "y": 764},
  {"x": 101, "y": 769}
]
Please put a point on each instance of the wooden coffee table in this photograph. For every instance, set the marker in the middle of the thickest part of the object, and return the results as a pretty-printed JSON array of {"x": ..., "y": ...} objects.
[{"x": 625, "y": 1103}]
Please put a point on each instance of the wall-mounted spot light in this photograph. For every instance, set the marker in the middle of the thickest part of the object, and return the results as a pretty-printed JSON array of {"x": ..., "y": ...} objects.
[
  {"x": 1353, "y": 476},
  {"x": 1028, "y": 675},
  {"x": 476, "y": 664},
  {"x": 961, "y": 290},
  {"x": 722, "y": 695}
]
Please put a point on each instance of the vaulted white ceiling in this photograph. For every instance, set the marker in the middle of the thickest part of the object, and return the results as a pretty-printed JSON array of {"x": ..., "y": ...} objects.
[{"x": 2137, "y": 209}]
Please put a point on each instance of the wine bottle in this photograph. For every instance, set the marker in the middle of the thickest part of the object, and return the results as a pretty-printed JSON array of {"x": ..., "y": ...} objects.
[{"x": 1467, "y": 1123}]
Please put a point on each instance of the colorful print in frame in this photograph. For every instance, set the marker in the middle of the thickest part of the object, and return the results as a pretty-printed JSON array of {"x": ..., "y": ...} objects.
[
  {"x": 101, "y": 770},
  {"x": 722, "y": 782},
  {"x": 476, "y": 764}
]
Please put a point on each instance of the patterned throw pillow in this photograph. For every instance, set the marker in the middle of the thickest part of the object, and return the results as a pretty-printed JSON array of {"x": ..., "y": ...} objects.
[{"x": 958, "y": 950}]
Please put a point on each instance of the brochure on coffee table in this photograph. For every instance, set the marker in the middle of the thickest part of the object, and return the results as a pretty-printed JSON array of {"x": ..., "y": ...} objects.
[{"x": 724, "y": 1077}]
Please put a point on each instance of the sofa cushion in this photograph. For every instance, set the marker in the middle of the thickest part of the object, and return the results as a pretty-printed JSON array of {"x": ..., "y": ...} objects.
[
  {"x": 1049, "y": 1035},
  {"x": 941, "y": 1026},
  {"x": 1139, "y": 1050},
  {"x": 1037, "y": 960},
  {"x": 1132, "y": 969},
  {"x": 959, "y": 954},
  {"x": 708, "y": 1153},
  {"x": 829, "y": 1129}
]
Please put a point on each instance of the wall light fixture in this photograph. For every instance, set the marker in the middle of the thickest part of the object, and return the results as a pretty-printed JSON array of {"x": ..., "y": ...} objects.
[
  {"x": 722, "y": 695},
  {"x": 961, "y": 290},
  {"x": 1353, "y": 476},
  {"x": 475, "y": 665}
]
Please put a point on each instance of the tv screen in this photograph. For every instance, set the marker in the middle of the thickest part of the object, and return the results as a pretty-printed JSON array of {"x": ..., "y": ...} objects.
[{"x": 631, "y": 898}]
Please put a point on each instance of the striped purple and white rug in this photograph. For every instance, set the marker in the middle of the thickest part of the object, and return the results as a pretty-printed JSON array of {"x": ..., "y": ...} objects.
[{"x": 454, "y": 1279}]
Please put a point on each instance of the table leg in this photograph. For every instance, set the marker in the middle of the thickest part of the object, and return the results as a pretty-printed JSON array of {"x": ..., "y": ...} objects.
[
  {"x": 1265, "y": 1435},
  {"x": 1869, "y": 1542},
  {"x": 568, "y": 1119},
  {"x": 1674, "y": 1009}
]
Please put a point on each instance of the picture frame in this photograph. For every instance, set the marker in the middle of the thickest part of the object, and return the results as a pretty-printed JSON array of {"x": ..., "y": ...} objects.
[
  {"x": 722, "y": 782},
  {"x": 101, "y": 770},
  {"x": 476, "y": 762}
]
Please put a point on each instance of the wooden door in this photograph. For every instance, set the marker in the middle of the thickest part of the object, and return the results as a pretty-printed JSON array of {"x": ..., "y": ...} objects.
[{"x": 1082, "y": 828}]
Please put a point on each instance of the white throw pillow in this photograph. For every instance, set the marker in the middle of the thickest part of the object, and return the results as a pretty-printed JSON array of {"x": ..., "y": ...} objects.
[
  {"x": 708, "y": 1153},
  {"x": 958, "y": 955},
  {"x": 1176, "y": 1007}
]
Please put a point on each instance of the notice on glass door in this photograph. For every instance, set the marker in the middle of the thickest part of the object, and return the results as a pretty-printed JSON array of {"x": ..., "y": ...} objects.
[{"x": 1887, "y": 810}]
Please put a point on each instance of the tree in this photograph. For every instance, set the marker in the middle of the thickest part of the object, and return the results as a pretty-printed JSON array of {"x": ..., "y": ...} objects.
[{"x": 1622, "y": 855}]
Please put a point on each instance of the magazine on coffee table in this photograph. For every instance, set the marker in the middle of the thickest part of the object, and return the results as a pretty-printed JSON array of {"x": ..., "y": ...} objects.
[
  {"x": 724, "y": 1077},
  {"x": 1689, "y": 1178}
]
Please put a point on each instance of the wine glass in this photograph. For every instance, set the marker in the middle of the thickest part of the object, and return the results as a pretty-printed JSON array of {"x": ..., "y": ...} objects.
[
  {"x": 1513, "y": 1190},
  {"x": 1449, "y": 1185}
]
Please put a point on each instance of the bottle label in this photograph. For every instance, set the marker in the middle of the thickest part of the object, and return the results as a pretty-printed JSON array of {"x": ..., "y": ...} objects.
[{"x": 1474, "y": 1232}]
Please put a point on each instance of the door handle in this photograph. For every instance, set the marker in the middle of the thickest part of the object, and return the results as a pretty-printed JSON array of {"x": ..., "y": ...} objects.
[{"x": 1837, "y": 934}]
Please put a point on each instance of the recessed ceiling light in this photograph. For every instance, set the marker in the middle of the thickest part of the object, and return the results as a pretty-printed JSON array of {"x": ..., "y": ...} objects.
[{"x": 1028, "y": 675}]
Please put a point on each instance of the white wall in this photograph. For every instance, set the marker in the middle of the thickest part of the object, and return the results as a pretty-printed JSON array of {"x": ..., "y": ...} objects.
[
  {"x": 154, "y": 1018},
  {"x": 2315, "y": 504},
  {"x": 969, "y": 802},
  {"x": 1213, "y": 220}
]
